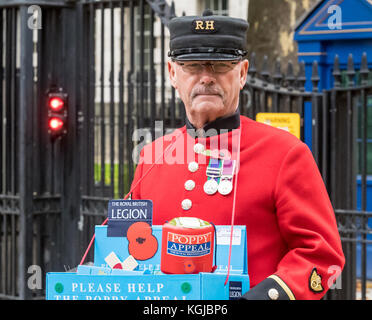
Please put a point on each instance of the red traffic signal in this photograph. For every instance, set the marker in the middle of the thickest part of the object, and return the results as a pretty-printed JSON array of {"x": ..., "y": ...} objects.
[
  {"x": 56, "y": 103},
  {"x": 56, "y": 124},
  {"x": 57, "y": 114}
]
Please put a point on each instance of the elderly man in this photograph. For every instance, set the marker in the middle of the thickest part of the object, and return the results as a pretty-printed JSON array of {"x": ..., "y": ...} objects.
[{"x": 223, "y": 165}]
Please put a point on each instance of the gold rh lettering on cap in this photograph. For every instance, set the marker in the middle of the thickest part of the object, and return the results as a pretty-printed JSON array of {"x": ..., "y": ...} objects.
[
  {"x": 209, "y": 25},
  {"x": 204, "y": 25},
  {"x": 199, "y": 25}
]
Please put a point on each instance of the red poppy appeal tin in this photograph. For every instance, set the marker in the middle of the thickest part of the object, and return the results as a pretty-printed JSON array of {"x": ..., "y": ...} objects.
[{"x": 187, "y": 246}]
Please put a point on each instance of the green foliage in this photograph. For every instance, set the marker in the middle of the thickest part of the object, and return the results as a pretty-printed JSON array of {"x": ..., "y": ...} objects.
[{"x": 115, "y": 180}]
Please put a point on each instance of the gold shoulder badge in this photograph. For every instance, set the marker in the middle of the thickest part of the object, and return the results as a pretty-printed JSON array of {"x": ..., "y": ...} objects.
[{"x": 315, "y": 281}]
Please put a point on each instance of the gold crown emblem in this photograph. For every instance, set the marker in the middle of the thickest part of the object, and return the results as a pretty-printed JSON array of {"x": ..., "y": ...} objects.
[{"x": 316, "y": 281}]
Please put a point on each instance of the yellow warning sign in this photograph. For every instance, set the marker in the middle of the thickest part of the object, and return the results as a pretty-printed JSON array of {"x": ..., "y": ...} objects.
[{"x": 290, "y": 122}]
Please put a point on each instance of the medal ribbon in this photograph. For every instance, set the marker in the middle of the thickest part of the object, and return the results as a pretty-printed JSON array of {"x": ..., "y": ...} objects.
[
  {"x": 228, "y": 169},
  {"x": 225, "y": 186},
  {"x": 214, "y": 169}
]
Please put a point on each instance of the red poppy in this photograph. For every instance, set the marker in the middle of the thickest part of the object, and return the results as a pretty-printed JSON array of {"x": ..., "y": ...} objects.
[{"x": 142, "y": 245}]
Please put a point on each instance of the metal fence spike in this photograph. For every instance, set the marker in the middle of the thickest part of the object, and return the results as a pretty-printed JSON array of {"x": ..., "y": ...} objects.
[
  {"x": 301, "y": 78},
  {"x": 265, "y": 67},
  {"x": 277, "y": 69},
  {"x": 163, "y": 10},
  {"x": 315, "y": 76},
  {"x": 173, "y": 10},
  {"x": 336, "y": 72},
  {"x": 290, "y": 73},
  {"x": 350, "y": 63},
  {"x": 277, "y": 73},
  {"x": 364, "y": 71},
  {"x": 252, "y": 64},
  {"x": 265, "y": 74},
  {"x": 290, "y": 78},
  {"x": 350, "y": 70}
]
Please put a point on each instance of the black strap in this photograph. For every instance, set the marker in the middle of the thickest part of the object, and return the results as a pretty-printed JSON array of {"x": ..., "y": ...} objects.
[{"x": 215, "y": 245}]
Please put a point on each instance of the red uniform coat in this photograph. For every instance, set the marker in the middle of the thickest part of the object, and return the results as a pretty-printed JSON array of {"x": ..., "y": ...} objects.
[{"x": 292, "y": 234}]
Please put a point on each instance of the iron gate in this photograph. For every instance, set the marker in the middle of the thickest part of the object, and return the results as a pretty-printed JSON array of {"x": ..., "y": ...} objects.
[
  {"x": 53, "y": 193},
  {"x": 341, "y": 146},
  {"x": 110, "y": 57}
]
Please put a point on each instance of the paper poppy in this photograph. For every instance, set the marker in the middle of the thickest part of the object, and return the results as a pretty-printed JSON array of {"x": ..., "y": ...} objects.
[{"x": 142, "y": 244}]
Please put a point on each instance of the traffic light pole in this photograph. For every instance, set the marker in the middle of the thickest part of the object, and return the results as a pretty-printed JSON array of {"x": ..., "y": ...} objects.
[
  {"x": 25, "y": 154},
  {"x": 71, "y": 193},
  {"x": 59, "y": 69}
]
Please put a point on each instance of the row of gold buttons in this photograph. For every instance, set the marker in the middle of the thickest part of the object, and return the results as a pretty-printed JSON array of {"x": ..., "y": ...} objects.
[{"x": 190, "y": 184}]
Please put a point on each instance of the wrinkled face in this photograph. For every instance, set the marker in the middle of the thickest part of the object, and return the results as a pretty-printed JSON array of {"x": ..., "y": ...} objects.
[{"x": 209, "y": 89}]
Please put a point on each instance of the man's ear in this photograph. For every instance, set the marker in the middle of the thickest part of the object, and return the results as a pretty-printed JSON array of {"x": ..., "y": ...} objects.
[
  {"x": 172, "y": 74},
  {"x": 243, "y": 73}
]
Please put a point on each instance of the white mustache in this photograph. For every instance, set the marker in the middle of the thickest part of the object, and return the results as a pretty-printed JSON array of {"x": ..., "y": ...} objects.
[{"x": 207, "y": 91}]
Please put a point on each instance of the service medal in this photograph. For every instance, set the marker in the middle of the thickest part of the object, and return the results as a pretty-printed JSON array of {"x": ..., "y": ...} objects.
[
  {"x": 225, "y": 187},
  {"x": 210, "y": 186},
  {"x": 213, "y": 173}
]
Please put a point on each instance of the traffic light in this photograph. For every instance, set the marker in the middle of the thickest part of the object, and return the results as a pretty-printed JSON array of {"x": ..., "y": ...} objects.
[{"x": 57, "y": 113}]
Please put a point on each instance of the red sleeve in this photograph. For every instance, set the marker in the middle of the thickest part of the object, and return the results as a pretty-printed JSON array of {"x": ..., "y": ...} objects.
[{"x": 307, "y": 222}]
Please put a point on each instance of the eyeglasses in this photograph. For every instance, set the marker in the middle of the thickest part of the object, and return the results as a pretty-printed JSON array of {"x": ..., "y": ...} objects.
[{"x": 217, "y": 67}]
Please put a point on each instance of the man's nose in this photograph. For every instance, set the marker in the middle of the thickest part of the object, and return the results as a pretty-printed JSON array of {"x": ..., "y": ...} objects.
[{"x": 207, "y": 76}]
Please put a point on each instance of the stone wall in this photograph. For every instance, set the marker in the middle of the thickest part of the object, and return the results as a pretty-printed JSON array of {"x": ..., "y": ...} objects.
[{"x": 271, "y": 29}]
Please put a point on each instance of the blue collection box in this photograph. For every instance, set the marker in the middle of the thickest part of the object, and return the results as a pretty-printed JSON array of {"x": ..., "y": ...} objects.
[{"x": 147, "y": 282}]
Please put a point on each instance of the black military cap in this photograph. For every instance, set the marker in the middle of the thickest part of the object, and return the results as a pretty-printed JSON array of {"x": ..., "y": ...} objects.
[{"x": 207, "y": 37}]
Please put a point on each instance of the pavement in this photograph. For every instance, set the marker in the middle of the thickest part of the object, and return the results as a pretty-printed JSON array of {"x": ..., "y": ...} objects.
[{"x": 368, "y": 291}]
